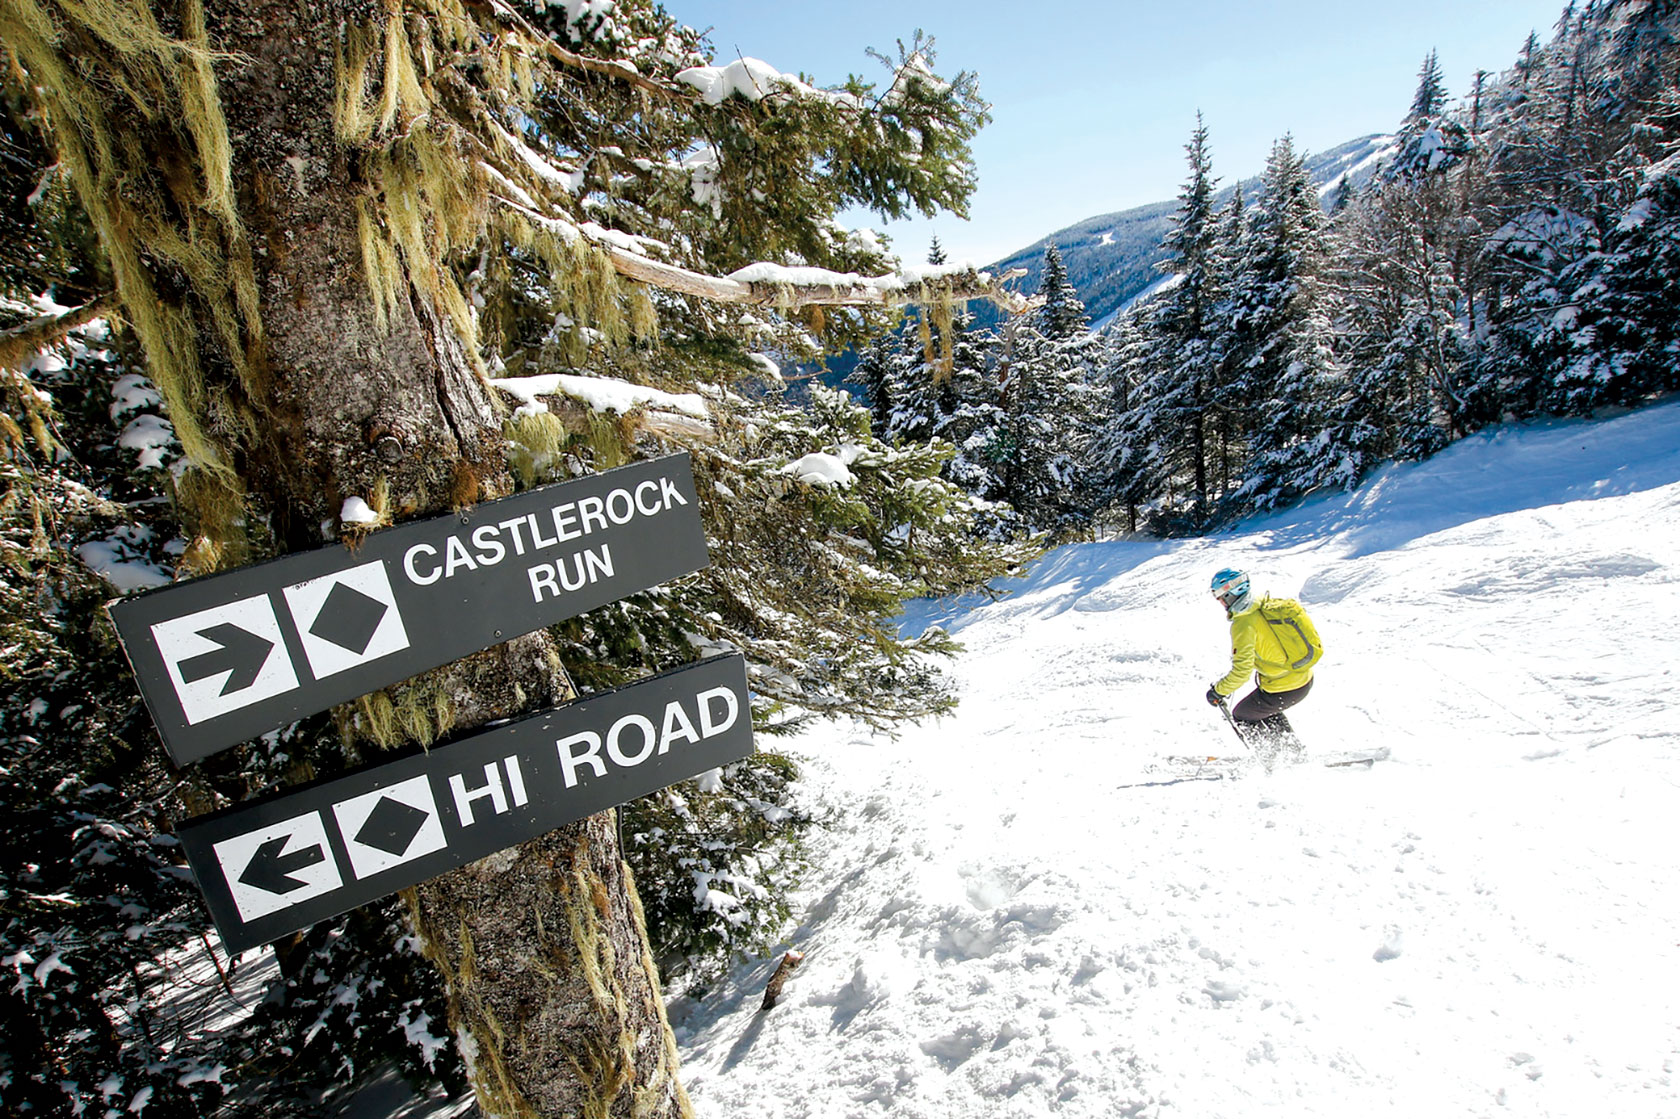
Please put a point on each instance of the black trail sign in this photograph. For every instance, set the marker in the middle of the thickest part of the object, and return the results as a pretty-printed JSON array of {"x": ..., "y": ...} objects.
[
  {"x": 230, "y": 656},
  {"x": 275, "y": 866}
]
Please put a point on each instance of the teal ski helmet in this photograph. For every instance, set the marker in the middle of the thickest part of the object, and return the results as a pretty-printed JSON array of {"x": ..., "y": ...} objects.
[{"x": 1230, "y": 587}]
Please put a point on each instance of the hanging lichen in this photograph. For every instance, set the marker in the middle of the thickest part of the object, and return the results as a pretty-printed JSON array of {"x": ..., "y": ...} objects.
[
  {"x": 421, "y": 214},
  {"x": 135, "y": 115},
  {"x": 611, "y": 438},
  {"x": 941, "y": 312},
  {"x": 213, "y": 516},
  {"x": 418, "y": 712},
  {"x": 535, "y": 441},
  {"x": 644, "y": 318},
  {"x": 934, "y": 327}
]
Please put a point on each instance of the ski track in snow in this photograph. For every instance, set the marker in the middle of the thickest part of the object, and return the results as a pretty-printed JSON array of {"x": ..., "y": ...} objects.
[{"x": 1023, "y": 910}]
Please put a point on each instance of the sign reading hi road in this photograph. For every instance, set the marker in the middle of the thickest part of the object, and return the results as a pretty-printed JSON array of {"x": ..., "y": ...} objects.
[
  {"x": 225, "y": 658},
  {"x": 278, "y": 865}
]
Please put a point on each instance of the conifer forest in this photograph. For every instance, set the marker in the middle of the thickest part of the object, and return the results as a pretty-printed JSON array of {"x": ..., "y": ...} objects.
[
  {"x": 274, "y": 277},
  {"x": 1509, "y": 258}
]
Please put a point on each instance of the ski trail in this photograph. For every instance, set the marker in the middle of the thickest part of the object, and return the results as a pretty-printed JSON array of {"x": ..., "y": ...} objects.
[{"x": 1023, "y": 910}]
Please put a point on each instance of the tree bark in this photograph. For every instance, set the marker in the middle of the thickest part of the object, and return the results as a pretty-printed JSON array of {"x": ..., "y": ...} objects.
[{"x": 552, "y": 993}]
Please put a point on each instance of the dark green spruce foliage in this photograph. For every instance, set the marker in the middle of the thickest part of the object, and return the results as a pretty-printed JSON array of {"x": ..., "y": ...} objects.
[
  {"x": 1166, "y": 386},
  {"x": 1050, "y": 404},
  {"x": 1514, "y": 258},
  {"x": 114, "y": 988}
]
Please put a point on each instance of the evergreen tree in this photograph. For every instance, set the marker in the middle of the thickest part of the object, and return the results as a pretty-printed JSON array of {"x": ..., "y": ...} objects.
[
  {"x": 1177, "y": 368},
  {"x": 921, "y": 383},
  {"x": 1512, "y": 259},
  {"x": 1430, "y": 141},
  {"x": 429, "y": 198},
  {"x": 1128, "y": 468},
  {"x": 1049, "y": 406},
  {"x": 1291, "y": 381},
  {"x": 878, "y": 374},
  {"x": 1393, "y": 406},
  {"x": 1565, "y": 166},
  {"x": 930, "y": 381},
  {"x": 1629, "y": 305},
  {"x": 1528, "y": 60},
  {"x": 1231, "y": 416},
  {"x": 1343, "y": 195},
  {"x": 1431, "y": 95},
  {"x": 1046, "y": 425},
  {"x": 1062, "y": 315},
  {"x": 970, "y": 420}
]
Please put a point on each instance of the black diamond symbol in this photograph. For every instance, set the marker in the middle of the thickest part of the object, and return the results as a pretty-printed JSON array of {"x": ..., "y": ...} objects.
[
  {"x": 391, "y": 826},
  {"x": 348, "y": 618}
]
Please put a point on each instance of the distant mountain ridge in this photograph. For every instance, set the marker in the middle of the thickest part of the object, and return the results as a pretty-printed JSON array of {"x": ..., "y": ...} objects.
[{"x": 1111, "y": 259}]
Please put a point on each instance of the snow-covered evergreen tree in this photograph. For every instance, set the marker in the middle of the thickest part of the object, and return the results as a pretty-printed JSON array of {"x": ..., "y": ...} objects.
[
  {"x": 1129, "y": 466},
  {"x": 433, "y": 197},
  {"x": 1291, "y": 379},
  {"x": 1404, "y": 264},
  {"x": 970, "y": 419},
  {"x": 1431, "y": 95},
  {"x": 1049, "y": 407},
  {"x": 1628, "y": 319},
  {"x": 876, "y": 374},
  {"x": 1062, "y": 316},
  {"x": 1568, "y": 138},
  {"x": 1513, "y": 258},
  {"x": 1188, "y": 344}
]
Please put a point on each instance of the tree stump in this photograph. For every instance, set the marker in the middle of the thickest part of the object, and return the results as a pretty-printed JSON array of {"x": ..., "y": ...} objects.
[{"x": 773, "y": 990}]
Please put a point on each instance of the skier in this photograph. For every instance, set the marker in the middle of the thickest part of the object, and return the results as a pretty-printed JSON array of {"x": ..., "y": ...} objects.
[{"x": 1274, "y": 639}]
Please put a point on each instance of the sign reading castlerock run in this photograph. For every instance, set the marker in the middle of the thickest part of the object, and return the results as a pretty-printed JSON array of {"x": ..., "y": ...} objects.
[
  {"x": 225, "y": 658},
  {"x": 274, "y": 866}
]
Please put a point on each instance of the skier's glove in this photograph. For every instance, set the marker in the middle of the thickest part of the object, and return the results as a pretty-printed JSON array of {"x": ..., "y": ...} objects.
[{"x": 1214, "y": 698}]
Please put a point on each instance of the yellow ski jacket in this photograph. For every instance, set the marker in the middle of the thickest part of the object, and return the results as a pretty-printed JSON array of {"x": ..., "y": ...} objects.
[{"x": 1256, "y": 647}]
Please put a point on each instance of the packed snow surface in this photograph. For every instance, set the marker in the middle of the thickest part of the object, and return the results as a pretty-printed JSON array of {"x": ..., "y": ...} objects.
[{"x": 1028, "y": 909}]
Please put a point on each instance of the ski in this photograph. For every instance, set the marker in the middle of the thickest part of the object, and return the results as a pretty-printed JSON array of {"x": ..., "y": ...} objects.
[
  {"x": 1207, "y": 759},
  {"x": 1348, "y": 761},
  {"x": 1359, "y": 759}
]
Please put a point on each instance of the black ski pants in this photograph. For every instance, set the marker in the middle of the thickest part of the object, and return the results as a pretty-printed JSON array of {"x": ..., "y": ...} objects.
[{"x": 1258, "y": 706}]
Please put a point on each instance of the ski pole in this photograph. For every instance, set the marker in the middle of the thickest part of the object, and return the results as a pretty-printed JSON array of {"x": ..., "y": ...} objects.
[{"x": 1225, "y": 710}]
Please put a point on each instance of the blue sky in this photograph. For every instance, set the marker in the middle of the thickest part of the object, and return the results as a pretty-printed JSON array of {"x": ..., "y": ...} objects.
[{"x": 1092, "y": 102}]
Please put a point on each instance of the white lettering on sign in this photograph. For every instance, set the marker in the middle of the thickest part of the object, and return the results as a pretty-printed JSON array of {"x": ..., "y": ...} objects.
[
  {"x": 489, "y": 545},
  {"x": 644, "y": 731},
  {"x": 422, "y": 553},
  {"x": 632, "y": 739},
  {"x": 677, "y": 727},
  {"x": 588, "y": 566},
  {"x": 710, "y": 726},
  {"x": 493, "y": 789}
]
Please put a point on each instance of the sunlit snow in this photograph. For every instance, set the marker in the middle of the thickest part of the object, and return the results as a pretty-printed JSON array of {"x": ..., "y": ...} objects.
[
  {"x": 599, "y": 394},
  {"x": 1027, "y": 909}
]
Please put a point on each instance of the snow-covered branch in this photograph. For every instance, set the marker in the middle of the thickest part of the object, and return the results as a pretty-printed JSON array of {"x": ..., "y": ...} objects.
[
  {"x": 17, "y": 344},
  {"x": 612, "y": 68},
  {"x": 781, "y": 286}
]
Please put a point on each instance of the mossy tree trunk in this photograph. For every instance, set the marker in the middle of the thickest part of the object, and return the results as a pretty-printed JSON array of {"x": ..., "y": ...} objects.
[{"x": 553, "y": 995}]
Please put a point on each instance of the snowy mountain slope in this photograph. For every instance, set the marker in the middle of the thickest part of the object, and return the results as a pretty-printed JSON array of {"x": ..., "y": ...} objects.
[
  {"x": 1026, "y": 910},
  {"x": 1111, "y": 258}
]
